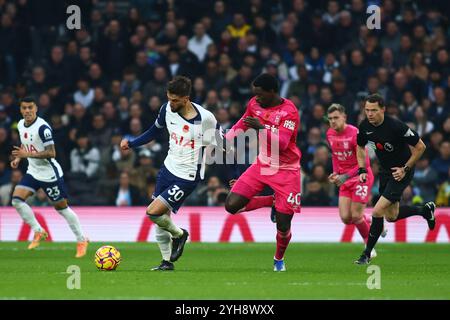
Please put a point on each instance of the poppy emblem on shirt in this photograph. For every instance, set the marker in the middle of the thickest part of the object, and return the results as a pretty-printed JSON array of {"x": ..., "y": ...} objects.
[
  {"x": 186, "y": 128},
  {"x": 25, "y": 135},
  {"x": 266, "y": 116},
  {"x": 379, "y": 146}
]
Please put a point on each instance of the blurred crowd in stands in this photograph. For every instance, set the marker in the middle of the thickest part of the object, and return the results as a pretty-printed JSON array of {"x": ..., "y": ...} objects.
[{"x": 107, "y": 80}]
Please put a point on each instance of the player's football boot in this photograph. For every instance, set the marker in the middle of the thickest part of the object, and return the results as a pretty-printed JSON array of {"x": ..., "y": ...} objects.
[
  {"x": 178, "y": 246},
  {"x": 164, "y": 266},
  {"x": 430, "y": 206},
  {"x": 373, "y": 254},
  {"x": 38, "y": 237},
  {"x": 82, "y": 248},
  {"x": 278, "y": 265},
  {"x": 363, "y": 259}
]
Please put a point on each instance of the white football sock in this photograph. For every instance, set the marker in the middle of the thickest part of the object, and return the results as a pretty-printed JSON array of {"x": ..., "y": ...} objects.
[
  {"x": 27, "y": 214},
  {"x": 164, "y": 242},
  {"x": 166, "y": 223},
  {"x": 74, "y": 224}
]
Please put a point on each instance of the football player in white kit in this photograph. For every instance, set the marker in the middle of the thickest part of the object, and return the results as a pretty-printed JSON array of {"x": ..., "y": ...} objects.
[
  {"x": 191, "y": 129},
  {"x": 43, "y": 172}
]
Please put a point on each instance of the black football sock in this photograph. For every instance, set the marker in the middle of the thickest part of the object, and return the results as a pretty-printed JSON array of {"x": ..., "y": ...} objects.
[
  {"x": 376, "y": 228},
  {"x": 409, "y": 211}
]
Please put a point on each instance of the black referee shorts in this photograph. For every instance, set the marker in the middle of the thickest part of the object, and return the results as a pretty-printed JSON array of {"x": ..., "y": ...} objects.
[{"x": 392, "y": 189}]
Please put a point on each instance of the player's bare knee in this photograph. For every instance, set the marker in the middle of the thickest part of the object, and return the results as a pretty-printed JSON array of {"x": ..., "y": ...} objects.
[
  {"x": 231, "y": 209},
  {"x": 283, "y": 226},
  {"x": 357, "y": 219},
  {"x": 61, "y": 205},
  {"x": 347, "y": 220},
  {"x": 377, "y": 214},
  {"x": 151, "y": 214},
  {"x": 154, "y": 217},
  {"x": 231, "y": 205},
  {"x": 390, "y": 219}
]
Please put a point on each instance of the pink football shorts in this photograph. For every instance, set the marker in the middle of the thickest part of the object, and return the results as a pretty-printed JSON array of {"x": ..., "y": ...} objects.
[
  {"x": 285, "y": 183},
  {"x": 357, "y": 191}
]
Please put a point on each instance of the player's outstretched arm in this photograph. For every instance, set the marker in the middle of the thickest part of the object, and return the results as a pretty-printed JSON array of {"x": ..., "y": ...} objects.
[
  {"x": 48, "y": 153},
  {"x": 143, "y": 139}
]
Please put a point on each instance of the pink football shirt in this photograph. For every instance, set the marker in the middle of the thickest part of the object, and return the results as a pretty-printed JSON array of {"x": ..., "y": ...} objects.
[
  {"x": 281, "y": 124},
  {"x": 343, "y": 146}
]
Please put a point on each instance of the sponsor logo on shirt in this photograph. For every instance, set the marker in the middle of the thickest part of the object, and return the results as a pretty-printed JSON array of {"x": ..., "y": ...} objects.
[
  {"x": 388, "y": 147},
  {"x": 289, "y": 124}
]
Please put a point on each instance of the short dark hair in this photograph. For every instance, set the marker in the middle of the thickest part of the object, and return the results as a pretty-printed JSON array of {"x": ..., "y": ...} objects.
[
  {"x": 28, "y": 99},
  {"x": 336, "y": 107},
  {"x": 267, "y": 82},
  {"x": 180, "y": 86},
  {"x": 375, "y": 97}
]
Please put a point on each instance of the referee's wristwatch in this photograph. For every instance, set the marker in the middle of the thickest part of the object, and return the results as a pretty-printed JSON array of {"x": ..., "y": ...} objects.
[{"x": 406, "y": 169}]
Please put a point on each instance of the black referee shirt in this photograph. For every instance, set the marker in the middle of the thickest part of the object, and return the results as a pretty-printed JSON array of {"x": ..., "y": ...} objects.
[{"x": 390, "y": 141}]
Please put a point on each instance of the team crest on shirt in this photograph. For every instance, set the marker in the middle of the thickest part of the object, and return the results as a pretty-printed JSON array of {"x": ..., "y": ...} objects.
[
  {"x": 345, "y": 144},
  {"x": 277, "y": 119},
  {"x": 25, "y": 135},
  {"x": 186, "y": 128}
]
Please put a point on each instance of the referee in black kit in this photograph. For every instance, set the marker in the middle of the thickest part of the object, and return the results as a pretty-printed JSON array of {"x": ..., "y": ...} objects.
[{"x": 397, "y": 148}]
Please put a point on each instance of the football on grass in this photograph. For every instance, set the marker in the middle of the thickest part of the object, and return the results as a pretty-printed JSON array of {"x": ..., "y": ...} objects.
[{"x": 107, "y": 258}]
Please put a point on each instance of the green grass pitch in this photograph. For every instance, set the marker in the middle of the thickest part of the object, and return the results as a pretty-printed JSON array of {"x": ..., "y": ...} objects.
[{"x": 227, "y": 271}]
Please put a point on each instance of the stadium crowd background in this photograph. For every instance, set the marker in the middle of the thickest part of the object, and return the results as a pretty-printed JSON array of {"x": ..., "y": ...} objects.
[{"x": 107, "y": 81}]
